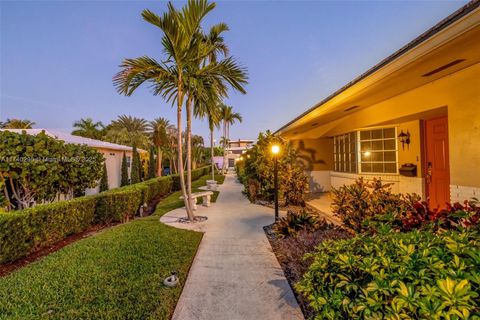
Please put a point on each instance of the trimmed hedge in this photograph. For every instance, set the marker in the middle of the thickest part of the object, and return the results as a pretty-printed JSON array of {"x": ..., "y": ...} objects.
[
  {"x": 196, "y": 174},
  {"x": 22, "y": 232}
]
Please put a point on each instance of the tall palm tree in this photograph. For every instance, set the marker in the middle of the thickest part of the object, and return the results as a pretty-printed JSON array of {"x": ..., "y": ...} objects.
[
  {"x": 88, "y": 129},
  {"x": 18, "y": 124},
  {"x": 212, "y": 112},
  {"x": 128, "y": 130},
  {"x": 197, "y": 150},
  {"x": 213, "y": 76},
  {"x": 181, "y": 73},
  {"x": 170, "y": 77},
  {"x": 228, "y": 118},
  {"x": 159, "y": 128}
]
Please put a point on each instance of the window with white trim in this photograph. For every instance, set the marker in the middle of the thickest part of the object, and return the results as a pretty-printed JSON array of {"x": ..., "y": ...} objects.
[
  {"x": 378, "y": 150},
  {"x": 366, "y": 151},
  {"x": 345, "y": 152}
]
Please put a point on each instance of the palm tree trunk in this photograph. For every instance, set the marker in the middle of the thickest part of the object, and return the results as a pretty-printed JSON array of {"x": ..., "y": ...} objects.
[
  {"x": 159, "y": 161},
  {"x": 211, "y": 151},
  {"x": 189, "y": 149},
  {"x": 190, "y": 215},
  {"x": 224, "y": 166}
]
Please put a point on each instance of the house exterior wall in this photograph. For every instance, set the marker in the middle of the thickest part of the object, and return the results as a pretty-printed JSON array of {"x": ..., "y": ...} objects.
[
  {"x": 456, "y": 96},
  {"x": 316, "y": 157},
  {"x": 113, "y": 161}
]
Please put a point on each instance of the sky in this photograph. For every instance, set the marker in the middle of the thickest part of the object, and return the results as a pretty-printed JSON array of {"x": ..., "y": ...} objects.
[{"x": 57, "y": 58}]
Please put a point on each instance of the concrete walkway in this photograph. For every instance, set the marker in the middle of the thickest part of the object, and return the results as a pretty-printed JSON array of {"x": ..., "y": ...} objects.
[{"x": 235, "y": 274}]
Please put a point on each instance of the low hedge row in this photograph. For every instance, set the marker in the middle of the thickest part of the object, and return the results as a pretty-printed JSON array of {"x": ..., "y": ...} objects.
[{"x": 22, "y": 232}]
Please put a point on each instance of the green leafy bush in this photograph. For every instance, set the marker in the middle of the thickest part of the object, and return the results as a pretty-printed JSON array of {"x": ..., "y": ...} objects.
[
  {"x": 362, "y": 200},
  {"x": 38, "y": 168},
  {"x": 297, "y": 221},
  {"x": 256, "y": 171},
  {"x": 414, "y": 275},
  {"x": 368, "y": 206}
]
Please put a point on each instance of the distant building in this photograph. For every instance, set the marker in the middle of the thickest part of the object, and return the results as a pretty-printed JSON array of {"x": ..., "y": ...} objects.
[
  {"x": 235, "y": 149},
  {"x": 112, "y": 152}
]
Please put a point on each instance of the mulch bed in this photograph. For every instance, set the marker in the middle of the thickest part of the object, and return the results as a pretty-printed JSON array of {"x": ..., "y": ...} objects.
[
  {"x": 290, "y": 250},
  {"x": 5, "y": 269}
]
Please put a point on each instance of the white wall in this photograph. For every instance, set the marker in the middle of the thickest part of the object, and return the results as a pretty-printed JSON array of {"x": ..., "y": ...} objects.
[
  {"x": 400, "y": 184},
  {"x": 113, "y": 160}
]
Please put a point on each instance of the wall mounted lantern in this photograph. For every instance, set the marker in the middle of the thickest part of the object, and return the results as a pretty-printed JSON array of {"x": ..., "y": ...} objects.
[{"x": 404, "y": 138}]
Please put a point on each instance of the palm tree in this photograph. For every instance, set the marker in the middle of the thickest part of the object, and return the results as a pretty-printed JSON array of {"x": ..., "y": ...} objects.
[
  {"x": 168, "y": 78},
  {"x": 228, "y": 118},
  {"x": 180, "y": 73},
  {"x": 198, "y": 152},
  {"x": 88, "y": 129},
  {"x": 212, "y": 112},
  {"x": 159, "y": 128},
  {"x": 128, "y": 130},
  {"x": 18, "y": 124}
]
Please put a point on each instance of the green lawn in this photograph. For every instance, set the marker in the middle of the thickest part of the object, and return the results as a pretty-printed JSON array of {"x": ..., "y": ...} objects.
[{"x": 116, "y": 274}]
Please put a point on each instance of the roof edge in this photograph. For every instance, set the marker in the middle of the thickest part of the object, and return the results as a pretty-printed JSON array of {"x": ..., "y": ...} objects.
[{"x": 444, "y": 23}]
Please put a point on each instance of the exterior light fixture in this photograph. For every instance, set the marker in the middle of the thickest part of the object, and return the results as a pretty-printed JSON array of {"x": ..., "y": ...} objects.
[
  {"x": 275, "y": 149},
  {"x": 275, "y": 152},
  {"x": 367, "y": 153},
  {"x": 241, "y": 158},
  {"x": 404, "y": 138}
]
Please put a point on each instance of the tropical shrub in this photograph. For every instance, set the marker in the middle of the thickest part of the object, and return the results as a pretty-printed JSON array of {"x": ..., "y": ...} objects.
[
  {"x": 362, "y": 200},
  {"x": 80, "y": 168},
  {"x": 291, "y": 250},
  {"x": 36, "y": 169},
  {"x": 258, "y": 170},
  {"x": 454, "y": 216},
  {"x": 296, "y": 221},
  {"x": 413, "y": 275}
]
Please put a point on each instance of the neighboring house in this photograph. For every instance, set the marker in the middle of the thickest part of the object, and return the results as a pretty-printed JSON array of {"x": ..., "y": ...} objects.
[
  {"x": 413, "y": 119},
  {"x": 235, "y": 150},
  {"x": 112, "y": 152}
]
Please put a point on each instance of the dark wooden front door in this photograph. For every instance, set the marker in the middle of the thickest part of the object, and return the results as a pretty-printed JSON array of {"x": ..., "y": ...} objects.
[{"x": 437, "y": 165}]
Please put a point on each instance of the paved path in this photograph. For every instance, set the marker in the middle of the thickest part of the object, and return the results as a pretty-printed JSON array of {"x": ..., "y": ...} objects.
[{"x": 235, "y": 274}]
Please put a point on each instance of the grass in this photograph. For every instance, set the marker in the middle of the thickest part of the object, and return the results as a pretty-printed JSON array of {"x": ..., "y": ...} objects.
[{"x": 116, "y": 274}]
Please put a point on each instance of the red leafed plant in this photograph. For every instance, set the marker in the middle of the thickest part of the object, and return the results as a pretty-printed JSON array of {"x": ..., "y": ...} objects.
[{"x": 453, "y": 216}]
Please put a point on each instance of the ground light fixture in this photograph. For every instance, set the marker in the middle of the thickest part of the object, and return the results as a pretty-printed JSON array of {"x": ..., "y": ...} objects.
[{"x": 275, "y": 152}]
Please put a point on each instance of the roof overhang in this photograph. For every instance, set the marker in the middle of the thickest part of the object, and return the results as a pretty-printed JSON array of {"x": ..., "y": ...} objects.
[{"x": 450, "y": 46}]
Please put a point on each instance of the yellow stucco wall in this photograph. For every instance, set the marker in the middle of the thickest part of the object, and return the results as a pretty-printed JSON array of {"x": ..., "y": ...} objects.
[
  {"x": 457, "y": 95},
  {"x": 315, "y": 154},
  {"x": 410, "y": 153}
]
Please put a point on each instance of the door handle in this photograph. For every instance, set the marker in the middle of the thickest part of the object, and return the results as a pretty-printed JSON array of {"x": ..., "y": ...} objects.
[{"x": 429, "y": 172}]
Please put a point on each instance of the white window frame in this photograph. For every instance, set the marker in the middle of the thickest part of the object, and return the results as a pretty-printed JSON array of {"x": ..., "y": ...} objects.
[{"x": 359, "y": 152}]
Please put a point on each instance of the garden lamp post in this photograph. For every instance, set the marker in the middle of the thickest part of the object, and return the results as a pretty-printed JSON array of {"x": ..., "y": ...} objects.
[{"x": 275, "y": 151}]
